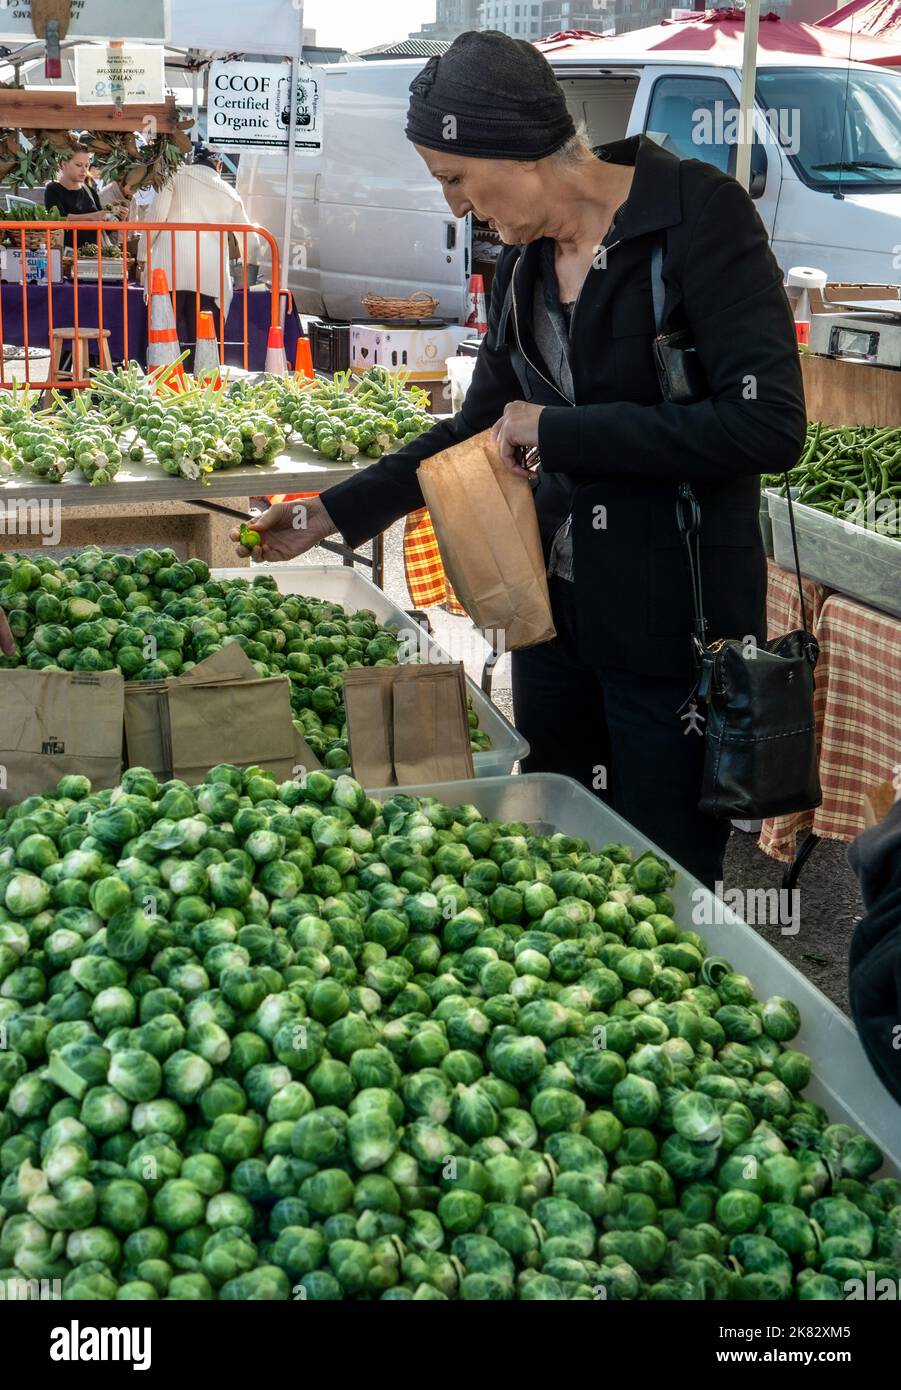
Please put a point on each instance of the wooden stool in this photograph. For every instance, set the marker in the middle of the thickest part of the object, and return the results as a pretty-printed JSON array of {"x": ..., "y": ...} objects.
[{"x": 84, "y": 336}]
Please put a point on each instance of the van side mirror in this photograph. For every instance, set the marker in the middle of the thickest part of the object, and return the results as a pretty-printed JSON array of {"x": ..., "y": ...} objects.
[
  {"x": 758, "y": 171},
  {"x": 758, "y": 167}
]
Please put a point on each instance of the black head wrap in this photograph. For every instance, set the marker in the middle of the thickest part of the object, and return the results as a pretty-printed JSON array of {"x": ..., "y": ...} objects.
[{"x": 490, "y": 97}]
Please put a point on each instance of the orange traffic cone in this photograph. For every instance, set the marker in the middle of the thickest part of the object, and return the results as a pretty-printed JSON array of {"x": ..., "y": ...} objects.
[
  {"x": 206, "y": 353},
  {"x": 162, "y": 339},
  {"x": 477, "y": 317},
  {"x": 276, "y": 362},
  {"x": 303, "y": 361}
]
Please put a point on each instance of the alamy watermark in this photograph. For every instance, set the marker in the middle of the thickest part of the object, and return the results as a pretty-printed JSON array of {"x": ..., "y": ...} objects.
[
  {"x": 873, "y": 512},
  {"x": 13, "y": 1290},
  {"x": 466, "y": 645},
  {"x": 758, "y": 907},
  {"x": 32, "y": 516},
  {"x": 725, "y": 124}
]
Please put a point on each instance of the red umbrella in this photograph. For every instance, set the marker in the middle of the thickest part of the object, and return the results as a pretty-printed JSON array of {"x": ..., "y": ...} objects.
[
  {"x": 877, "y": 18},
  {"x": 721, "y": 33}
]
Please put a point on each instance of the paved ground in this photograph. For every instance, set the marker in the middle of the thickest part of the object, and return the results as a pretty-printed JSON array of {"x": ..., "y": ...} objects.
[{"x": 828, "y": 903}]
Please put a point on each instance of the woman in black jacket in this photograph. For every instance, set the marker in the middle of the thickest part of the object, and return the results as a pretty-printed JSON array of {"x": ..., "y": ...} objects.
[
  {"x": 874, "y": 966},
  {"x": 567, "y": 365}
]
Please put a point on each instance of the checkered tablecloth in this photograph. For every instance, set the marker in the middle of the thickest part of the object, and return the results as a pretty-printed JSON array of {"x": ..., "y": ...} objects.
[
  {"x": 427, "y": 584},
  {"x": 857, "y": 706}
]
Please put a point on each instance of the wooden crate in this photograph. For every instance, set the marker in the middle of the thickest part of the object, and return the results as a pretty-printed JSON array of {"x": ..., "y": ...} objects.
[{"x": 850, "y": 393}]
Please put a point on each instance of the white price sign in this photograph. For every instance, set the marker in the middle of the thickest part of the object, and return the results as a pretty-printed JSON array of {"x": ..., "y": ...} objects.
[
  {"x": 93, "y": 19},
  {"x": 127, "y": 75},
  {"x": 249, "y": 106}
]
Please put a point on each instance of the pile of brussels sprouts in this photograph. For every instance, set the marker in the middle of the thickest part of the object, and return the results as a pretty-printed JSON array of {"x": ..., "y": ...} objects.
[
  {"x": 369, "y": 414},
  {"x": 192, "y": 429},
  {"x": 47, "y": 444},
  {"x": 152, "y": 616},
  {"x": 279, "y": 1042}
]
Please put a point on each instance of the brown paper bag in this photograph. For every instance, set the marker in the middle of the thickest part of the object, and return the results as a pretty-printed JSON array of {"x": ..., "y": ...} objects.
[
  {"x": 146, "y": 703},
  {"x": 145, "y": 745},
  {"x": 230, "y": 662},
  {"x": 369, "y": 712},
  {"x": 484, "y": 519},
  {"x": 407, "y": 724},
  {"x": 878, "y": 800},
  {"x": 431, "y": 728},
  {"x": 54, "y": 723},
  {"x": 241, "y": 722},
  {"x": 221, "y": 711}
]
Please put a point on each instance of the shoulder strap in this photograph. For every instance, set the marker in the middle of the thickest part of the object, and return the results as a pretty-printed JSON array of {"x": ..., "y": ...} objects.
[
  {"x": 658, "y": 292},
  {"x": 688, "y": 512}
]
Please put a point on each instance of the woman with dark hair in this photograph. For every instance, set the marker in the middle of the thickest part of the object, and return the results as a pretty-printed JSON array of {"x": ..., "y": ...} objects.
[
  {"x": 75, "y": 196},
  {"x": 567, "y": 365}
]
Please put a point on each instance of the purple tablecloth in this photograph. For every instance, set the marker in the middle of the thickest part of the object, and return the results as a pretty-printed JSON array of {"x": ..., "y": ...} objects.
[{"x": 258, "y": 318}]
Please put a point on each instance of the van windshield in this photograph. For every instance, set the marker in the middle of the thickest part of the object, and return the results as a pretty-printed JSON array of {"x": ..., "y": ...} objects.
[{"x": 838, "y": 126}]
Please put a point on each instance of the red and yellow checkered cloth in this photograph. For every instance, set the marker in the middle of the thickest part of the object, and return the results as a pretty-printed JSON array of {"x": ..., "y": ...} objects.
[
  {"x": 427, "y": 584},
  {"x": 857, "y": 705}
]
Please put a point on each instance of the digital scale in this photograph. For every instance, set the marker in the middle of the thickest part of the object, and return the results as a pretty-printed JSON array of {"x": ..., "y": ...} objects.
[{"x": 864, "y": 330}]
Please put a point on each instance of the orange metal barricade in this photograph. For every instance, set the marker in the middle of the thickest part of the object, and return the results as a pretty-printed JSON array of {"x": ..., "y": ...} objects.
[{"x": 40, "y": 237}]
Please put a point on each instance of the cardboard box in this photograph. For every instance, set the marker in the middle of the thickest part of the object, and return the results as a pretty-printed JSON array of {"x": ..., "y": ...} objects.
[
  {"x": 35, "y": 267},
  {"x": 420, "y": 352}
]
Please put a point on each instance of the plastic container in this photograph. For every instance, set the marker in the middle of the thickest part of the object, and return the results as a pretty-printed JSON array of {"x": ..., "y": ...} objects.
[
  {"x": 844, "y": 1083},
  {"x": 766, "y": 525},
  {"x": 852, "y": 559},
  {"x": 340, "y": 584},
  {"x": 330, "y": 346},
  {"x": 459, "y": 373}
]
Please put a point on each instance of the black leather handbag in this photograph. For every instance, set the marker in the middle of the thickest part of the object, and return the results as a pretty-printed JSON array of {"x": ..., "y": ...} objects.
[{"x": 760, "y": 733}]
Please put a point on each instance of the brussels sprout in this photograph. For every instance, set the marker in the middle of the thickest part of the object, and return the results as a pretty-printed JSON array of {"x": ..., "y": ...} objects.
[
  {"x": 136, "y": 1075},
  {"x": 781, "y": 1019}
]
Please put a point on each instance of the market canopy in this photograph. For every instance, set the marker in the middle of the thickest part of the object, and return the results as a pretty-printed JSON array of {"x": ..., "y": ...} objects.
[
  {"x": 877, "y": 18},
  {"x": 270, "y": 27},
  {"x": 720, "y": 34},
  {"x": 266, "y": 27}
]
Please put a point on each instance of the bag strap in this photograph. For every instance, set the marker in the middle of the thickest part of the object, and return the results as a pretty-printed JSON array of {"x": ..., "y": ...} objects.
[
  {"x": 688, "y": 517},
  {"x": 791, "y": 522},
  {"x": 688, "y": 511},
  {"x": 657, "y": 289}
]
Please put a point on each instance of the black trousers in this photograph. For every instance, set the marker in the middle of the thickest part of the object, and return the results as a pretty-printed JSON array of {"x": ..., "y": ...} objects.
[
  {"x": 622, "y": 737},
  {"x": 186, "y": 320}
]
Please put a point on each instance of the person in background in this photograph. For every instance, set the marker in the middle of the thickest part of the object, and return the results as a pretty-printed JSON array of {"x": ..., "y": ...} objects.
[
  {"x": 874, "y": 965},
  {"x": 75, "y": 196},
  {"x": 107, "y": 193},
  {"x": 7, "y": 641},
  {"x": 196, "y": 193}
]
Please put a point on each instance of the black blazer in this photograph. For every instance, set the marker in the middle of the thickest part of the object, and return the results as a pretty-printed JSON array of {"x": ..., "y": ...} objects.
[
  {"x": 615, "y": 455},
  {"x": 875, "y": 959}
]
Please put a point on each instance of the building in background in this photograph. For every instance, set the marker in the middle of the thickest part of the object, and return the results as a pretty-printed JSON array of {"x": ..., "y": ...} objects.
[
  {"x": 535, "y": 19},
  {"x": 405, "y": 48},
  {"x": 452, "y": 17},
  {"x": 521, "y": 19}
]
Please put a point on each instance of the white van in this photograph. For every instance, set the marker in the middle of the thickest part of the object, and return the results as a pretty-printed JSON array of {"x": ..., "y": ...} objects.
[{"x": 826, "y": 168}]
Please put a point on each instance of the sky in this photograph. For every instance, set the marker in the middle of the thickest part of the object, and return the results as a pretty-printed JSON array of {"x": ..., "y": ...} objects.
[{"x": 356, "y": 24}]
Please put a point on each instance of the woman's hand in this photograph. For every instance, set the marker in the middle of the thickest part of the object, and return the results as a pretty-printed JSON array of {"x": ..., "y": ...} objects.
[
  {"x": 516, "y": 429},
  {"x": 288, "y": 529},
  {"x": 7, "y": 641}
]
